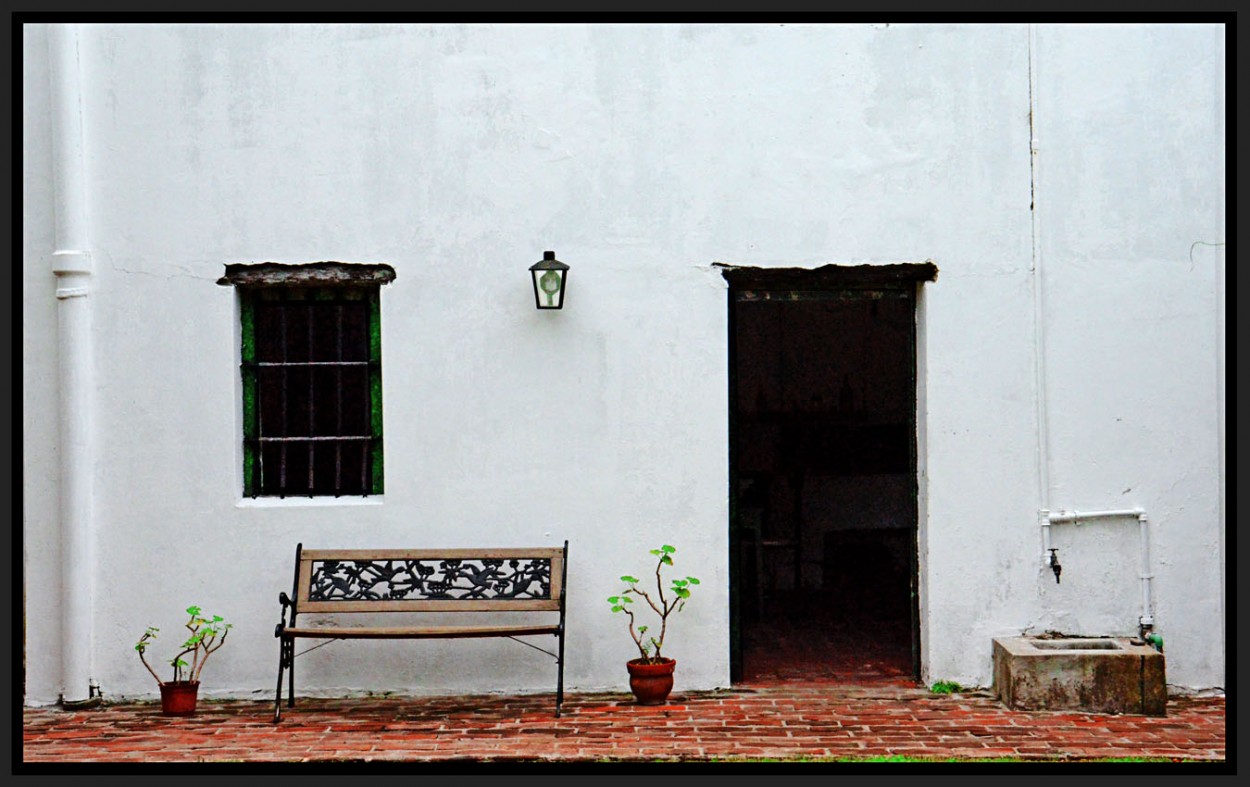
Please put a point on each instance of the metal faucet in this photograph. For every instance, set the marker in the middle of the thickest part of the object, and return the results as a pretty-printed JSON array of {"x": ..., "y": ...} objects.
[
  {"x": 1054, "y": 565},
  {"x": 1145, "y": 631}
]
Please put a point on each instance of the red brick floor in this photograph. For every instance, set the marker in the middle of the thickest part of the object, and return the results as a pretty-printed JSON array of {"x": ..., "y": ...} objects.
[
  {"x": 787, "y": 644},
  {"x": 768, "y": 720}
]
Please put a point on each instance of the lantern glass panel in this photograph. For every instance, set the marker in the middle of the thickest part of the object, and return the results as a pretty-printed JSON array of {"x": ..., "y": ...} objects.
[{"x": 548, "y": 287}]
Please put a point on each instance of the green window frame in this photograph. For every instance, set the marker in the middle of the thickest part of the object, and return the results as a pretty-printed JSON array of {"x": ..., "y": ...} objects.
[{"x": 311, "y": 371}]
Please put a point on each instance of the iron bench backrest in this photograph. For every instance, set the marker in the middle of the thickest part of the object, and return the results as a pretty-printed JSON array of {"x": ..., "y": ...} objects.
[{"x": 429, "y": 580}]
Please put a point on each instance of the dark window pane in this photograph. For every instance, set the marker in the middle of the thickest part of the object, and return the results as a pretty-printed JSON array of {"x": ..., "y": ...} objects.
[
  {"x": 355, "y": 331},
  {"x": 296, "y": 468},
  {"x": 269, "y": 328},
  {"x": 272, "y": 461},
  {"x": 272, "y": 401},
  {"x": 355, "y": 400},
  {"x": 325, "y": 334},
  {"x": 298, "y": 315},
  {"x": 324, "y": 473},
  {"x": 298, "y": 402},
  {"x": 325, "y": 400}
]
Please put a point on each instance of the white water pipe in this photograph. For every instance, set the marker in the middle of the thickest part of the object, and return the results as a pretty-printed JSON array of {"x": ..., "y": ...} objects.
[
  {"x": 1049, "y": 518},
  {"x": 1039, "y": 311},
  {"x": 71, "y": 263},
  {"x": 1046, "y": 517},
  {"x": 1076, "y": 517}
]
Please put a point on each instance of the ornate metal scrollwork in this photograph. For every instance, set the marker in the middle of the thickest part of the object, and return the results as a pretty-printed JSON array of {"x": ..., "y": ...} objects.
[{"x": 402, "y": 580}]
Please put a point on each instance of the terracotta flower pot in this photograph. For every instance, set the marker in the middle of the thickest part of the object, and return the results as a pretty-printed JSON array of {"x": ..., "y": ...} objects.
[
  {"x": 651, "y": 683},
  {"x": 178, "y": 697}
]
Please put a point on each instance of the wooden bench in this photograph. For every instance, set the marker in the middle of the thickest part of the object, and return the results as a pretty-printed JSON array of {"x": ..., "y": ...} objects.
[{"x": 347, "y": 582}]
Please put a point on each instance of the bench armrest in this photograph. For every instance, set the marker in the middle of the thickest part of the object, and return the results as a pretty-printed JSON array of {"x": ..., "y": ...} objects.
[{"x": 286, "y": 603}]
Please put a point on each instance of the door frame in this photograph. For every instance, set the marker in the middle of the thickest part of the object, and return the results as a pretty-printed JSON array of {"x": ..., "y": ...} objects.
[{"x": 906, "y": 277}]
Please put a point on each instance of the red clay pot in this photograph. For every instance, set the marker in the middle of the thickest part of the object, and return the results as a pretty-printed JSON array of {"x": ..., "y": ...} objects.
[
  {"x": 651, "y": 683},
  {"x": 178, "y": 697}
]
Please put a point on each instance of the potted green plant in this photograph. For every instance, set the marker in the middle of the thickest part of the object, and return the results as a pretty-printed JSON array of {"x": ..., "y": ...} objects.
[
  {"x": 208, "y": 634},
  {"x": 651, "y": 674}
]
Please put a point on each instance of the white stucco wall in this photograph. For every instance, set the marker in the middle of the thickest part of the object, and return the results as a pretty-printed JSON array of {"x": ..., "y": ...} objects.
[
  {"x": 641, "y": 154},
  {"x": 1132, "y": 323}
]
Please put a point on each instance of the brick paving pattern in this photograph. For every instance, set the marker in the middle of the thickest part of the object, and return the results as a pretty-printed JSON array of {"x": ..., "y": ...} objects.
[{"x": 793, "y": 721}]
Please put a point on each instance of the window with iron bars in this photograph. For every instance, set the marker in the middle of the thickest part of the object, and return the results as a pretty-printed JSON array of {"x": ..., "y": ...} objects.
[{"x": 311, "y": 366}]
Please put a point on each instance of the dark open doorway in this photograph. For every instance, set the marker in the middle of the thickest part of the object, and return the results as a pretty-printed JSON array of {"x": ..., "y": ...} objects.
[{"x": 823, "y": 473}]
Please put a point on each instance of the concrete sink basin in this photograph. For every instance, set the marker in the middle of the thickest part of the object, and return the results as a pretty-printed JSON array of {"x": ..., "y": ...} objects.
[{"x": 1102, "y": 674}]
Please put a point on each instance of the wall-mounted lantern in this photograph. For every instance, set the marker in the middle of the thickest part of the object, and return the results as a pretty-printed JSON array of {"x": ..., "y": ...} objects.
[{"x": 549, "y": 277}]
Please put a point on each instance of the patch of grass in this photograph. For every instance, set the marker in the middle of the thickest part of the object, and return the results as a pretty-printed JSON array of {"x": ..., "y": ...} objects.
[
  {"x": 946, "y": 687},
  {"x": 906, "y": 758}
]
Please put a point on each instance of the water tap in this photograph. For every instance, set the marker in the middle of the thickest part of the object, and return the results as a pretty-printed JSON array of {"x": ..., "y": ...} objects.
[
  {"x": 1054, "y": 565},
  {"x": 1147, "y": 635}
]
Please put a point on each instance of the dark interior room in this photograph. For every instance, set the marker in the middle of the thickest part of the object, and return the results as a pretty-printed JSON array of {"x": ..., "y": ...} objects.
[{"x": 824, "y": 484}]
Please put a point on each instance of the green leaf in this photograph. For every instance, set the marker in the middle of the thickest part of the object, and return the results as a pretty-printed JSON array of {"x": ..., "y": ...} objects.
[
  {"x": 666, "y": 560},
  {"x": 614, "y": 599},
  {"x": 193, "y": 610},
  {"x": 692, "y": 580},
  {"x": 629, "y": 579},
  {"x": 668, "y": 549}
]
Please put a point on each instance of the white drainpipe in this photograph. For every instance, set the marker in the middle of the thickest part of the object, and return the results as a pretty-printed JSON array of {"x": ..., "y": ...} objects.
[
  {"x": 1039, "y": 311},
  {"x": 71, "y": 263}
]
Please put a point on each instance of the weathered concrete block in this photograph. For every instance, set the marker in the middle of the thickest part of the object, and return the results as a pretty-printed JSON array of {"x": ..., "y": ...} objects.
[{"x": 1104, "y": 674}]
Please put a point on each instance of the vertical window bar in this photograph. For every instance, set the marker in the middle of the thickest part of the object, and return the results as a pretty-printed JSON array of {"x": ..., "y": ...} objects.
[
  {"x": 312, "y": 403},
  {"x": 338, "y": 399},
  {"x": 282, "y": 310}
]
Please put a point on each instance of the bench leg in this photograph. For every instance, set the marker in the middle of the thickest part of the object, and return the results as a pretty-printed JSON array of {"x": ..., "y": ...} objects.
[
  {"x": 560, "y": 676},
  {"x": 290, "y": 665},
  {"x": 277, "y": 697},
  {"x": 286, "y": 663}
]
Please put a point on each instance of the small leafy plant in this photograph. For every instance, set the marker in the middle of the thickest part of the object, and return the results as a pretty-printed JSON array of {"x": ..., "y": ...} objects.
[
  {"x": 663, "y": 606},
  {"x": 946, "y": 687},
  {"x": 208, "y": 634}
]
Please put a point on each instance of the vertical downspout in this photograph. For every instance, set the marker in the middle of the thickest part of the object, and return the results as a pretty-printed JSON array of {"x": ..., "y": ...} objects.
[
  {"x": 71, "y": 263},
  {"x": 1146, "y": 623},
  {"x": 1039, "y": 315},
  {"x": 1219, "y": 108}
]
